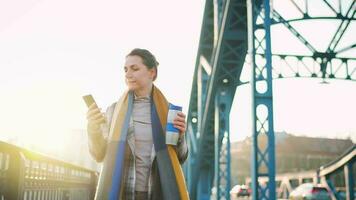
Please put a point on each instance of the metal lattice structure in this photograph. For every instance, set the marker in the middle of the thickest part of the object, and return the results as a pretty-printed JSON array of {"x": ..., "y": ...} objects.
[
  {"x": 263, "y": 155},
  {"x": 235, "y": 34},
  {"x": 223, "y": 40}
]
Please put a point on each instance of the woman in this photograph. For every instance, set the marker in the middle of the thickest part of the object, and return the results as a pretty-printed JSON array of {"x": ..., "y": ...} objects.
[{"x": 130, "y": 139}]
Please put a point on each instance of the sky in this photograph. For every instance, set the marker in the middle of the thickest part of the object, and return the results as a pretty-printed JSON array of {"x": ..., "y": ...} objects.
[{"x": 54, "y": 52}]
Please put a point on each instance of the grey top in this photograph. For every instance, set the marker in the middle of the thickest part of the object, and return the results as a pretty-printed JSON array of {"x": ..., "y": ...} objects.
[{"x": 142, "y": 131}]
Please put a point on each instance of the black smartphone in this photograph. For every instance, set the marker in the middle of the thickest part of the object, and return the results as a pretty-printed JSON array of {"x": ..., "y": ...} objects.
[{"x": 89, "y": 99}]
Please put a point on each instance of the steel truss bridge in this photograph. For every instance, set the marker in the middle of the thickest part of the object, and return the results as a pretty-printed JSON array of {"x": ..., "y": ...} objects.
[{"x": 236, "y": 35}]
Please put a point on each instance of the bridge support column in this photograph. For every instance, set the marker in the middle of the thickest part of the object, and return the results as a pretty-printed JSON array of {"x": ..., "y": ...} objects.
[
  {"x": 222, "y": 145},
  {"x": 349, "y": 181},
  {"x": 263, "y": 148}
]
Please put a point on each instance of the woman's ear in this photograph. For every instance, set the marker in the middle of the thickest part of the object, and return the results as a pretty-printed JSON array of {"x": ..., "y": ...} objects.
[{"x": 153, "y": 73}]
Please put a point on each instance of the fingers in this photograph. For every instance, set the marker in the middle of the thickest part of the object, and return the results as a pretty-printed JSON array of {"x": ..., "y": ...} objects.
[
  {"x": 180, "y": 114},
  {"x": 180, "y": 117},
  {"x": 94, "y": 115},
  {"x": 97, "y": 116},
  {"x": 98, "y": 121},
  {"x": 179, "y": 122},
  {"x": 93, "y": 110},
  {"x": 180, "y": 127}
]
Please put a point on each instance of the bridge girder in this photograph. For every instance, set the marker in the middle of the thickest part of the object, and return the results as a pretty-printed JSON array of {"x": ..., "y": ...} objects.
[{"x": 220, "y": 59}]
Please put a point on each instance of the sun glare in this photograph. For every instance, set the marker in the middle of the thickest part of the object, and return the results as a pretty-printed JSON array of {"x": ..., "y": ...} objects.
[{"x": 44, "y": 115}]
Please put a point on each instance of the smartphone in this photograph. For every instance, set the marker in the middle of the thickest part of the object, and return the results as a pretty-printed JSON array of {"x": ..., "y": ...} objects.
[{"x": 89, "y": 99}]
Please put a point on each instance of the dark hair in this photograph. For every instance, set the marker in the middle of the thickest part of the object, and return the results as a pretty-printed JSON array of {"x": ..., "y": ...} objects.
[{"x": 148, "y": 58}]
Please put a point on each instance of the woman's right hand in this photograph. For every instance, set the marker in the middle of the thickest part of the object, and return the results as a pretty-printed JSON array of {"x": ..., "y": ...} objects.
[{"x": 95, "y": 117}]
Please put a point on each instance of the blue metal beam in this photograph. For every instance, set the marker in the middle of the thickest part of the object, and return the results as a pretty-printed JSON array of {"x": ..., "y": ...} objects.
[
  {"x": 222, "y": 70},
  {"x": 206, "y": 45},
  {"x": 349, "y": 179},
  {"x": 342, "y": 28},
  {"x": 222, "y": 144},
  {"x": 263, "y": 160},
  {"x": 330, "y": 185},
  {"x": 279, "y": 18}
]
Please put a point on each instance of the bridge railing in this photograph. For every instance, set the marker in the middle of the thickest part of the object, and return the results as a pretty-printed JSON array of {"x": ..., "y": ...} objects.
[
  {"x": 28, "y": 175},
  {"x": 323, "y": 175}
]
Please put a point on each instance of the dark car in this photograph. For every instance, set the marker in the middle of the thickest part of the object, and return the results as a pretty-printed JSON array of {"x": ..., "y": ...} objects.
[{"x": 310, "y": 191}]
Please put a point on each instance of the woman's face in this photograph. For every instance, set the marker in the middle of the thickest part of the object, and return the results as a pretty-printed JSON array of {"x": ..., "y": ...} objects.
[{"x": 137, "y": 75}]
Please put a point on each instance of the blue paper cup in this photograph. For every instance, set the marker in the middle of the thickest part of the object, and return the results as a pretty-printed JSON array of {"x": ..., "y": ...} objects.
[{"x": 172, "y": 133}]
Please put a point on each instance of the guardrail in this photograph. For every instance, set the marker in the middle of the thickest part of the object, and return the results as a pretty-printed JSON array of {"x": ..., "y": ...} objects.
[{"x": 28, "y": 175}]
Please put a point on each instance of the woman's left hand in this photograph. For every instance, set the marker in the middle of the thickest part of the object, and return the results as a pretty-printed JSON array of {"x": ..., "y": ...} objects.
[{"x": 179, "y": 123}]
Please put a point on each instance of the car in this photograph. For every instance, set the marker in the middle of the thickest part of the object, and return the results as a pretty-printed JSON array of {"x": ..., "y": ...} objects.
[
  {"x": 240, "y": 191},
  {"x": 310, "y": 191}
]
